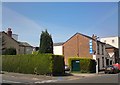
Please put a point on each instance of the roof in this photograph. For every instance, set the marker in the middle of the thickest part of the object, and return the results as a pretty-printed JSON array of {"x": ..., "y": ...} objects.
[
  {"x": 25, "y": 44},
  {"x": 58, "y": 44},
  {"x": 109, "y": 46},
  {"x": 20, "y": 43},
  {"x": 10, "y": 37},
  {"x": 84, "y": 36}
]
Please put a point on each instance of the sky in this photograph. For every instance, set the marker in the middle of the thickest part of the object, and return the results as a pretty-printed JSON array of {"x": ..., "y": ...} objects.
[{"x": 61, "y": 19}]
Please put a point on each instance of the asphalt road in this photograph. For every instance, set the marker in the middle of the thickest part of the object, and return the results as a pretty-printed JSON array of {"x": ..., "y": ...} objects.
[
  {"x": 78, "y": 78},
  {"x": 103, "y": 78}
]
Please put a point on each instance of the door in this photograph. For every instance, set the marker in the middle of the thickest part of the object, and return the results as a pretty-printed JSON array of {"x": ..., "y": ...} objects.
[{"x": 76, "y": 65}]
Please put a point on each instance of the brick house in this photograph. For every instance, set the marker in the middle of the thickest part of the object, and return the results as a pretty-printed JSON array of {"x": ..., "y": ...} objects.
[
  {"x": 7, "y": 41},
  {"x": 79, "y": 46}
]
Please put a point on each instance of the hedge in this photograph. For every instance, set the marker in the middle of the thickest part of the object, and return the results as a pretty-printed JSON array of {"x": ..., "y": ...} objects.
[
  {"x": 33, "y": 64},
  {"x": 87, "y": 65}
]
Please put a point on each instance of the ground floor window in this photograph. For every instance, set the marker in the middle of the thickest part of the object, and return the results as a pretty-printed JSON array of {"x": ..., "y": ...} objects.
[
  {"x": 102, "y": 61},
  {"x": 110, "y": 62},
  {"x": 107, "y": 61}
]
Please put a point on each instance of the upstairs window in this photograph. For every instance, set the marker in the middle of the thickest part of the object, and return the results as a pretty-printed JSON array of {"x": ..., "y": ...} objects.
[
  {"x": 104, "y": 41},
  {"x": 98, "y": 48},
  {"x": 113, "y": 41},
  {"x": 102, "y": 49}
]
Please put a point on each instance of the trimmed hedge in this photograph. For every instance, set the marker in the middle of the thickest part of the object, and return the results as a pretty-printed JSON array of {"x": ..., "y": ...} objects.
[
  {"x": 34, "y": 64},
  {"x": 87, "y": 65}
]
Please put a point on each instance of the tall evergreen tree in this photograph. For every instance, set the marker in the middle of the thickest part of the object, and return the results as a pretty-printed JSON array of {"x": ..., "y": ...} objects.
[{"x": 46, "y": 43}]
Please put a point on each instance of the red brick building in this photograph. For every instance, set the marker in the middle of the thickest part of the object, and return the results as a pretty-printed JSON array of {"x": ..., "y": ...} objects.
[{"x": 79, "y": 46}]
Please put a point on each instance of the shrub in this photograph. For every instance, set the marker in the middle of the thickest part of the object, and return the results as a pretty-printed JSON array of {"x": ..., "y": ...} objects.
[
  {"x": 58, "y": 65},
  {"x": 9, "y": 51},
  {"x": 87, "y": 65},
  {"x": 33, "y": 64}
]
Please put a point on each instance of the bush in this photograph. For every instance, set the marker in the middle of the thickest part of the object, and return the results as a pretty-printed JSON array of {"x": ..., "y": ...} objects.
[
  {"x": 58, "y": 65},
  {"x": 9, "y": 51},
  {"x": 87, "y": 65},
  {"x": 33, "y": 64}
]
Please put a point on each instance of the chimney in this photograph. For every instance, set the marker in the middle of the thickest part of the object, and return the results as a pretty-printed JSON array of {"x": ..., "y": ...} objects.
[
  {"x": 9, "y": 32},
  {"x": 94, "y": 36}
]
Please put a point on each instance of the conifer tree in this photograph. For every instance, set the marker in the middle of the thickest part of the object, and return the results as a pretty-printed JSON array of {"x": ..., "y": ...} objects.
[{"x": 46, "y": 43}]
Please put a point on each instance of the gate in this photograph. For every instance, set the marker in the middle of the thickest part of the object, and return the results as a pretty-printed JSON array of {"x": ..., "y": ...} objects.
[{"x": 75, "y": 65}]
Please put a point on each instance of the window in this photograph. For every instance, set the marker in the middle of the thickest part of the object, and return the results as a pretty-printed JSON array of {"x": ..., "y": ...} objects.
[
  {"x": 110, "y": 62},
  {"x": 104, "y": 41},
  {"x": 102, "y": 61},
  {"x": 102, "y": 50},
  {"x": 97, "y": 48},
  {"x": 113, "y": 41}
]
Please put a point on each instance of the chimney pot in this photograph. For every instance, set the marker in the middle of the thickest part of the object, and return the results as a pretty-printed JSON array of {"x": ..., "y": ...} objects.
[{"x": 9, "y": 32}]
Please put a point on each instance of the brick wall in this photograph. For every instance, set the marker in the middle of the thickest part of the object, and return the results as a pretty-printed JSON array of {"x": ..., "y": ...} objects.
[{"x": 77, "y": 46}]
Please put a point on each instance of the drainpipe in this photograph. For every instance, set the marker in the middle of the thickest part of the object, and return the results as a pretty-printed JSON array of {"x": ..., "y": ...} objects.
[{"x": 77, "y": 46}]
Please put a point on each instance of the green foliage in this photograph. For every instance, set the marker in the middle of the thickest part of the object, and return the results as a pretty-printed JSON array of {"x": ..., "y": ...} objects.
[
  {"x": 58, "y": 62},
  {"x": 33, "y": 64},
  {"x": 35, "y": 52},
  {"x": 46, "y": 43},
  {"x": 9, "y": 51},
  {"x": 87, "y": 65}
]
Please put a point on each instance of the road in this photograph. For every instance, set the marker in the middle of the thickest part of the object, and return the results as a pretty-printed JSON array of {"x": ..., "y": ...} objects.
[
  {"x": 76, "y": 78},
  {"x": 103, "y": 78}
]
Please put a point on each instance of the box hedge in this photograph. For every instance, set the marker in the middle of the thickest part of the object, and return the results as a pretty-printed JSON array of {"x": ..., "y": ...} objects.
[
  {"x": 87, "y": 65},
  {"x": 33, "y": 64}
]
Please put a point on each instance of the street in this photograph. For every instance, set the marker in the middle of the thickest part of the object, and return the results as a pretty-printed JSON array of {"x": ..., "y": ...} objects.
[
  {"x": 103, "y": 78},
  {"x": 75, "y": 78}
]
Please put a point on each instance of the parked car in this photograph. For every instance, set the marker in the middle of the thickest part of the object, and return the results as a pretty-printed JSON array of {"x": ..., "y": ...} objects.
[
  {"x": 111, "y": 69},
  {"x": 67, "y": 68},
  {"x": 117, "y": 65}
]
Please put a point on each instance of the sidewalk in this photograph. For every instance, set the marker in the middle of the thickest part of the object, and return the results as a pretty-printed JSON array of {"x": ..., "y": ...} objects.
[{"x": 87, "y": 74}]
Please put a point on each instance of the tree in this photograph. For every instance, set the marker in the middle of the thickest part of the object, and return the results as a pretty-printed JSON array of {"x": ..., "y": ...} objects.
[{"x": 46, "y": 43}]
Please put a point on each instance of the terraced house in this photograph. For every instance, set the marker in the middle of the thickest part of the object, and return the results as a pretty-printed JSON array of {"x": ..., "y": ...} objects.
[
  {"x": 80, "y": 45},
  {"x": 9, "y": 40}
]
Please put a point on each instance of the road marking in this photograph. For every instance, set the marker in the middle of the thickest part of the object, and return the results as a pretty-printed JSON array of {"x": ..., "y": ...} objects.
[
  {"x": 7, "y": 81},
  {"x": 35, "y": 78},
  {"x": 46, "y": 81}
]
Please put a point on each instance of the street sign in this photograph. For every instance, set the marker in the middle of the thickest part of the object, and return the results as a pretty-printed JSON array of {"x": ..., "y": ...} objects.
[{"x": 90, "y": 47}]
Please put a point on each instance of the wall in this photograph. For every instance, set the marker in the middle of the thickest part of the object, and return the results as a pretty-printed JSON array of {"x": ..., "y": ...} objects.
[
  {"x": 57, "y": 50},
  {"x": 109, "y": 41},
  {"x": 77, "y": 45},
  {"x": 29, "y": 50}
]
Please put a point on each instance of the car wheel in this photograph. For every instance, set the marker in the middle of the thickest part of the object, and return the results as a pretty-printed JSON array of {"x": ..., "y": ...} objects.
[{"x": 105, "y": 72}]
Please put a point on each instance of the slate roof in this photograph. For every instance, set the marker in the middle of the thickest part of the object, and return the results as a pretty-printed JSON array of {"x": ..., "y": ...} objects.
[
  {"x": 19, "y": 43},
  {"x": 25, "y": 44},
  {"x": 58, "y": 44},
  {"x": 109, "y": 46}
]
